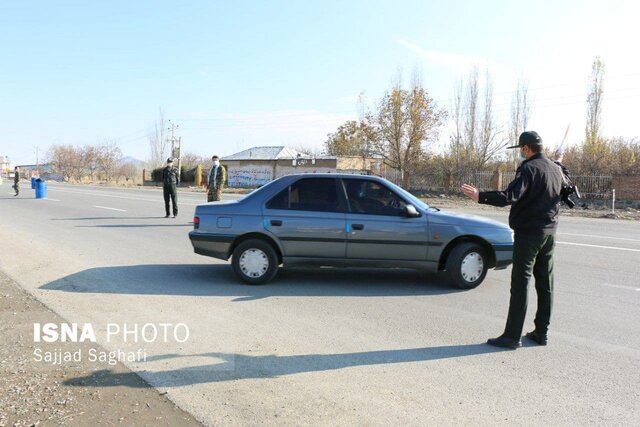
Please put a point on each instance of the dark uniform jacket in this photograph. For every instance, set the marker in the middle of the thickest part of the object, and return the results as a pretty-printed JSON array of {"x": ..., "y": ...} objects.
[
  {"x": 169, "y": 176},
  {"x": 534, "y": 196},
  {"x": 16, "y": 177}
]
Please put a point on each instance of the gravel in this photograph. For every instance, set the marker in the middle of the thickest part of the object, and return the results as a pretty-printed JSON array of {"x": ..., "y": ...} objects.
[{"x": 35, "y": 393}]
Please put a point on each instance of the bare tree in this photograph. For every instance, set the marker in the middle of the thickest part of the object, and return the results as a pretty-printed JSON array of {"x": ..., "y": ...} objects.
[
  {"x": 63, "y": 160},
  {"x": 476, "y": 138},
  {"x": 490, "y": 141},
  {"x": 520, "y": 115},
  {"x": 89, "y": 155},
  {"x": 595, "y": 147},
  {"x": 128, "y": 170},
  {"x": 158, "y": 140},
  {"x": 594, "y": 102},
  {"x": 455, "y": 138},
  {"x": 191, "y": 160},
  {"x": 470, "y": 110},
  {"x": 108, "y": 159}
]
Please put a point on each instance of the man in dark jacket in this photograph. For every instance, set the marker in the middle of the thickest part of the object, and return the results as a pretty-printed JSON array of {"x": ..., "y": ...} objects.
[
  {"x": 16, "y": 180},
  {"x": 534, "y": 196},
  {"x": 169, "y": 181}
]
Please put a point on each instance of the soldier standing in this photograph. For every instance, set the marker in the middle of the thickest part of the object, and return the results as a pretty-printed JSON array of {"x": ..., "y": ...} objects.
[
  {"x": 217, "y": 177},
  {"x": 169, "y": 181},
  {"x": 534, "y": 196},
  {"x": 16, "y": 181}
]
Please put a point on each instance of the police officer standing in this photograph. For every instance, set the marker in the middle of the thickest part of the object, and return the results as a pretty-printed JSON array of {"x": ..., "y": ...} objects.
[
  {"x": 534, "y": 196},
  {"x": 216, "y": 178},
  {"x": 170, "y": 179},
  {"x": 16, "y": 180}
]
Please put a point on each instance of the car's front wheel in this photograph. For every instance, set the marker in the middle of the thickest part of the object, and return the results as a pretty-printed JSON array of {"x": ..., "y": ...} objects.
[
  {"x": 467, "y": 265},
  {"x": 255, "y": 262}
]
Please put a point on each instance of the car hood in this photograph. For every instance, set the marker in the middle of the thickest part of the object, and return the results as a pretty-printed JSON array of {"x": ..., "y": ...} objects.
[{"x": 464, "y": 219}]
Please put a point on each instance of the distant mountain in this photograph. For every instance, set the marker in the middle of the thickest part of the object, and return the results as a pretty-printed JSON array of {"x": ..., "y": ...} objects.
[{"x": 129, "y": 159}]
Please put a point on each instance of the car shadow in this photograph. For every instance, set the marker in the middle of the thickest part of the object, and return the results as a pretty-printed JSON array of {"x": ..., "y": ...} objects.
[
  {"x": 234, "y": 367},
  {"x": 92, "y": 218},
  {"x": 219, "y": 280},
  {"x": 190, "y": 224}
]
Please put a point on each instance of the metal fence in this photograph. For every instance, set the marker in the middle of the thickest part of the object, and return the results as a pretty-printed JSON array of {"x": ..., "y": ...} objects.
[
  {"x": 594, "y": 186},
  {"x": 591, "y": 186},
  {"x": 439, "y": 181}
]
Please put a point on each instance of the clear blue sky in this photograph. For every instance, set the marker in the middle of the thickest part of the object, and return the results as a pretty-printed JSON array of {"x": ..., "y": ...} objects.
[{"x": 240, "y": 74}]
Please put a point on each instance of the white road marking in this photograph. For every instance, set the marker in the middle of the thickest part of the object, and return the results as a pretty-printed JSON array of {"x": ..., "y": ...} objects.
[
  {"x": 600, "y": 247},
  {"x": 53, "y": 200},
  {"x": 599, "y": 237},
  {"x": 111, "y": 209},
  {"x": 158, "y": 200},
  {"x": 155, "y": 190},
  {"x": 628, "y": 288}
]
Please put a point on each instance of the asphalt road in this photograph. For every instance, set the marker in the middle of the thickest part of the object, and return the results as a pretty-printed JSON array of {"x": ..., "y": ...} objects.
[{"x": 333, "y": 347}]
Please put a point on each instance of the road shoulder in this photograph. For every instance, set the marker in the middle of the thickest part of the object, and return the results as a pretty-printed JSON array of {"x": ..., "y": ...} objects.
[{"x": 35, "y": 392}]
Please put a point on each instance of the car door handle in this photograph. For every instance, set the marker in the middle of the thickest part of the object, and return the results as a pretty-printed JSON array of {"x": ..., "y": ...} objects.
[
  {"x": 276, "y": 222},
  {"x": 357, "y": 226}
]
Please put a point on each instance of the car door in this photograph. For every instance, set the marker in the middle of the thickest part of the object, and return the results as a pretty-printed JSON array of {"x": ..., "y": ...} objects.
[
  {"x": 377, "y": 227},
  {"x": 308, "y": 217}
]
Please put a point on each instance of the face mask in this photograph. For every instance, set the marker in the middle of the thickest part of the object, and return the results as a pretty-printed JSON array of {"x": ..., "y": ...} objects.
[
  {"x": 216, "y": 163},
  {"x": 521, "y": 156}
]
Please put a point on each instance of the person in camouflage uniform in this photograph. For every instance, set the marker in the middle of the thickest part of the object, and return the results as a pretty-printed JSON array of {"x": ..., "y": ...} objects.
[
  {"x": 216, "y": 179},
  {"x": 169, "y": 182},
  {"x": 16, "y": 181}
]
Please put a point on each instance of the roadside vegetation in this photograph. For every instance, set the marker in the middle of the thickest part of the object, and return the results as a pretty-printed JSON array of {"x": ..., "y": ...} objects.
[{"x": 402, "y": 128}]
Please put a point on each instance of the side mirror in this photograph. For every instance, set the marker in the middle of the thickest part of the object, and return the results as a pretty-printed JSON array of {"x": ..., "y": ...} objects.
[{"x": 410, "y": 211}]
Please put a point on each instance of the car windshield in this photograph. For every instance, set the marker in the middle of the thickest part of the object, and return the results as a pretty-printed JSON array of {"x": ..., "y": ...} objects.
[{"x": 410, "y": 197}]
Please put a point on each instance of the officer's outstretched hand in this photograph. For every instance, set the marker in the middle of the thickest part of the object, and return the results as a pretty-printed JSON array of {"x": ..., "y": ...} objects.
[{"x": 471, "y": 192}]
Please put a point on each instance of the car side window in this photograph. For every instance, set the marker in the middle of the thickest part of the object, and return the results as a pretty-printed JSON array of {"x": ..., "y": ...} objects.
[
  {"x": 308, "y": 194},
  {"x": 370, "y": 197}
]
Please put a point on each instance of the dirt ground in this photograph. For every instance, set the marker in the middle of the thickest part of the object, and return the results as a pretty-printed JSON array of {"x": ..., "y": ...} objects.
[{"x": 36, "y": 393}]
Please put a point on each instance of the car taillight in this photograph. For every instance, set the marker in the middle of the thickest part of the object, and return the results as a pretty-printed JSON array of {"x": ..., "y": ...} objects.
[{"x": 196, "y": 222}]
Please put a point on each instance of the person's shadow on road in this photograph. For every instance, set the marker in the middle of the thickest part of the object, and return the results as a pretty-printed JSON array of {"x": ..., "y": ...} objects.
[{"x": 232, "y": 367}]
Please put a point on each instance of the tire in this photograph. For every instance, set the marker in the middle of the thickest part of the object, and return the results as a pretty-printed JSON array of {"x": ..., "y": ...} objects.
[
  {"x": 255, "y": 262},
  {"x": 467, "y": 265}
]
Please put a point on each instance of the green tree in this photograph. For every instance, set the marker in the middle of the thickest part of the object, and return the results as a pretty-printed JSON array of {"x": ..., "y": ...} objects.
[{"x": 348, "y": 140}]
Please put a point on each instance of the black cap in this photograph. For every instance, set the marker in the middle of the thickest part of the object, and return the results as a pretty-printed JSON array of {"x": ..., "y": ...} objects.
[
  {"x": 529, "y": 137},
  {"x": 169, "y": 160}
]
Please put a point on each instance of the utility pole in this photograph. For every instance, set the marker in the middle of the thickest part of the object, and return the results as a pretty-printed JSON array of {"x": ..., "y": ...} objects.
[
  {"x": 175, "y": 146},
  {"x": 37, "y": 160}
]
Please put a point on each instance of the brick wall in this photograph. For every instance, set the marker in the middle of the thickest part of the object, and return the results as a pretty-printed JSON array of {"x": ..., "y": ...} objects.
[{"x": 627, "y": 186}]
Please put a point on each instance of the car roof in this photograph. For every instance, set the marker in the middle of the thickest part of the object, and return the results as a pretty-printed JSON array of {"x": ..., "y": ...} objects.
[{"x": 334, "y": 175}]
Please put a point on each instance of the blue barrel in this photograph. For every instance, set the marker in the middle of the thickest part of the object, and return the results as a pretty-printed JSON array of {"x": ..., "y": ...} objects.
[
  {"x": 33, "y": 182},
  {"x": 41, "y": 189}
]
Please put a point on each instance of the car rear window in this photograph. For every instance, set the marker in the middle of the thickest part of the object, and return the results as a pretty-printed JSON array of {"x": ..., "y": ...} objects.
[{"x": 308, "y": 194}]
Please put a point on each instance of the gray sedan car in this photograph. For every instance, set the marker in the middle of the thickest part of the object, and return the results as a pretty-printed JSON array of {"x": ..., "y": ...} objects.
[{"x": 341, "y": 220}]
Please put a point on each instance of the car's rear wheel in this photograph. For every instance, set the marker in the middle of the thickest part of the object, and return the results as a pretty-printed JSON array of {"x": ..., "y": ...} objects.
[
  {"x": 255, "y": 262},
  {"x": 467, "y": 265}
]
